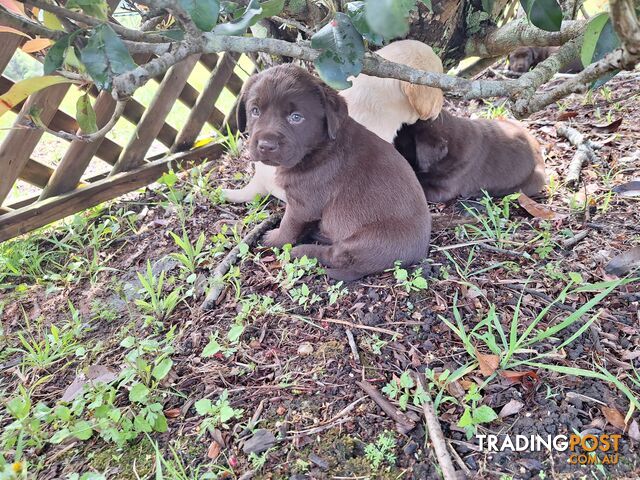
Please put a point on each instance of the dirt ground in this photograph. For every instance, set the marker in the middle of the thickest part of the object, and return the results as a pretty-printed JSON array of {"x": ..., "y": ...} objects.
[{"x": 290, "y": 348}]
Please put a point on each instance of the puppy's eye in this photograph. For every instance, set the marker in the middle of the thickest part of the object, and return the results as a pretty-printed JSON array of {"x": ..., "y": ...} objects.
[
  {"x": 295, "y": 118},
  {"x": 255, "y": 112}
]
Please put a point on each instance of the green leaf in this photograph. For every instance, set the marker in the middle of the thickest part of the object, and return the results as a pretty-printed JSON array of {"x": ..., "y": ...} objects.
[
  {"x": 600, "y": 38},
  {"x": 203, "y": 406},
  {"x": 420, "y": 282},
  {"x": 356, "y": 12},
  {"x": 389, "y": 18},
  {"x": 226, "y": 413},
  {"x": 128, "y": 342},
  {"x": 487, "y": 6},
  {"x": 162, "y": 369},
  {"x": 544, "y": 14},
  {"x": 19, "y": 407},
  {"x": 406, "y": 381},
  {"x": 235, "y": 332},
  {"x": 82, "y": 430},
  {"x": 138, "y": 393},
  {"x": 85, "y": 115},
  {"x": 484, "y": 414},
  {"x": 160, "y": 424},
  {"x": 343, "y": 52},
  {"x": 93, "y": 8},
  {"x": 591, "y": 37},
  {"x": 141, "y": 424},
  {"x": 55, "y": 55},
  {"x": 240, "y": 25},
  {"x": 212, "y": 347},
  {"x": 52, "y": 21},
  {"x": 465, "y": 420},
  {"x": 106, "y": 56},
  {"x": 204, "y": 13},
  {"x": 63, "y": 413},
  {"x": 60, "y": 436},
  {"x": 270, "y": 8}
]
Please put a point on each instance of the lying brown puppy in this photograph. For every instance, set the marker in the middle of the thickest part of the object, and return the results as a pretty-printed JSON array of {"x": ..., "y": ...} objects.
[
  {"x": 524, "y": 59},
  {"x": 343, "y": 183},
  {"x": 458, "y": 157}
]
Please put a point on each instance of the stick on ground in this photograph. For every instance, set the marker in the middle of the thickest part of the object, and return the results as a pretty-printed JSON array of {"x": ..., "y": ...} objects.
[
  {"x": 403, "y": 423},
  {"x": 221, "y": 270},
  {"x": 584, "y": 153},
  {"x": 436, "y": 436}
]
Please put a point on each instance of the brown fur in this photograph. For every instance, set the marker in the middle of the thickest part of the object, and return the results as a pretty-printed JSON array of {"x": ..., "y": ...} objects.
[
  {"x": 525, "y": 58},
  {"x": 458, "y": 157},
  {"x": 343, "y": 183}
]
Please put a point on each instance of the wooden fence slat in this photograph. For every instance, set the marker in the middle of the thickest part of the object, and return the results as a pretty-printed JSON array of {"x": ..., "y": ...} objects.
[
  {"x": 36, "y": 173},
  {"x": 134, "y": 112},
  {"x": 108, "y": 151},
  {"x": 44, "y": 212},
  {"x": 153, "y": 119},
  {"x": 9, "y": 43},
  {"x": 19, "y": 143},
  {"x": 234, "y": 85},
  {"x": 79, "y": 154},
  {"x": 210, "y": 61},
  {"x": 201, "y": 111}
]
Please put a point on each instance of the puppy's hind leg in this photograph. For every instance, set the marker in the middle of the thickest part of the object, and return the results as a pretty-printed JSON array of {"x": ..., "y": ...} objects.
[{"x": 337, "y": 265}]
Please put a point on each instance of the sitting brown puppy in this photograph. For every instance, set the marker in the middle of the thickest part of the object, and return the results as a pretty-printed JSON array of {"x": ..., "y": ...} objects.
[
  {"x": 458, "y": 157},
  {"x": 524, "y": 59},
  {"x": 344, "y": 184}
]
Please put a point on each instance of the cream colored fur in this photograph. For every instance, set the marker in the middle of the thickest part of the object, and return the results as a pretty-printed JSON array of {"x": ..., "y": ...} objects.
[{"x": 380, "y": 104}]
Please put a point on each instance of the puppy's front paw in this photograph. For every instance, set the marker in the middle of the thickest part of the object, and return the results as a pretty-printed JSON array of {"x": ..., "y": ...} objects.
[{"x": 273, "y": 238}]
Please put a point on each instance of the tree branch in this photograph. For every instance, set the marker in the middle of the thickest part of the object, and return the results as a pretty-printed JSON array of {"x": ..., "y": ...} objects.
[
  {"x": 87, "y": 138},
  {"x": 25, "y": 25},
  {"x": 519, "y": 33},
  {"x": 124, "y": 32}
]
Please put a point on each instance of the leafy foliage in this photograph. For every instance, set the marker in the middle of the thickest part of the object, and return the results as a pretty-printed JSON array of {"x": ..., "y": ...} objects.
[
  {"x": 343, "y": 51},
  {"x": 106, "y": 56},
  {"x": 544, "y": 14}
]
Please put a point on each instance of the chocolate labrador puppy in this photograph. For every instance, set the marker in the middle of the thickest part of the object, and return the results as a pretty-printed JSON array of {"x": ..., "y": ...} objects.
[
  {"x": 524, "y": 58},
  {"x": 458, "y": 157},
  {"x": 344, "y": 184}
]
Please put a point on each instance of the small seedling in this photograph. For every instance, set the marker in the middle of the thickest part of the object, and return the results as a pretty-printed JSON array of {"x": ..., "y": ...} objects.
[
  {"x": 217, "y": 414},
  {"x": 382, "y": 451}
]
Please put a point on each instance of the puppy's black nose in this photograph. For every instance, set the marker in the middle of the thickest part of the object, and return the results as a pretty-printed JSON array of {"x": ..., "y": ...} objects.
[{"x": 267, "y": 146}]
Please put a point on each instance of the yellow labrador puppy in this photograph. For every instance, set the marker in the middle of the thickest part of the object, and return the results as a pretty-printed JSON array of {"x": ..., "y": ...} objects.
[{"x": 380, "y": 104}]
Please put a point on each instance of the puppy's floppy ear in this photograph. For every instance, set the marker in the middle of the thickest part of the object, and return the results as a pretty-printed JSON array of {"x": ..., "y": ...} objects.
[
  {"x": 335, "y": 108},
  {"x": 426, "y": 101},
  {"x": 430, "y": 151},
  {"x": 241, "y": 109}
]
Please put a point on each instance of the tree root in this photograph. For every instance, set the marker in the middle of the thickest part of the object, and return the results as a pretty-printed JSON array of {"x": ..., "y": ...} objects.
[{"x": 221, "y": 270}]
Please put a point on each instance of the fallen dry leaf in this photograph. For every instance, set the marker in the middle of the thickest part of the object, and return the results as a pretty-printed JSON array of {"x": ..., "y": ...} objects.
[
  {"x": 214, "y": 450},
  {"x": 455, "y": 389},
  {"x": 566, "y": 115},
  {"x": 629, "y": 189},
  {"x": 35, "y": 45},
  {"x": 488, "y": 363},
  {"x": 172, "y": 413},
  {"x": 614, "y": 417},
  {"x": 95, "y": 374},
  {"x": 529, "y": 377},
  {"x": 623, "y": 263},
  {"x": 610, "y": 128},
  {"x": 538, "y": 210},
  {"x": 627, "y": 355},
  {"x": 511, "y": 408},
  {"x": 634, "y": 431}
]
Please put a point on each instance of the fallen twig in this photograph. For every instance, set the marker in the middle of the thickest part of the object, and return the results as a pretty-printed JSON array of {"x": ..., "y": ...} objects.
[
  {"x": 227, "y": 262},
  {"x": 352, "y": 344},
  {"x": 577, "y": 238},
  {"x": 584, "y": 153},
  {"x": 403, "y": 423},
  {"x": 362, "y": 327},
  {"x": 435, "y": 434}
]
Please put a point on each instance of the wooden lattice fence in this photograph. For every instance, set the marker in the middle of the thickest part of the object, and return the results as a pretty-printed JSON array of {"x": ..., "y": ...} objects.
[{"x": 63, "y": 190}]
